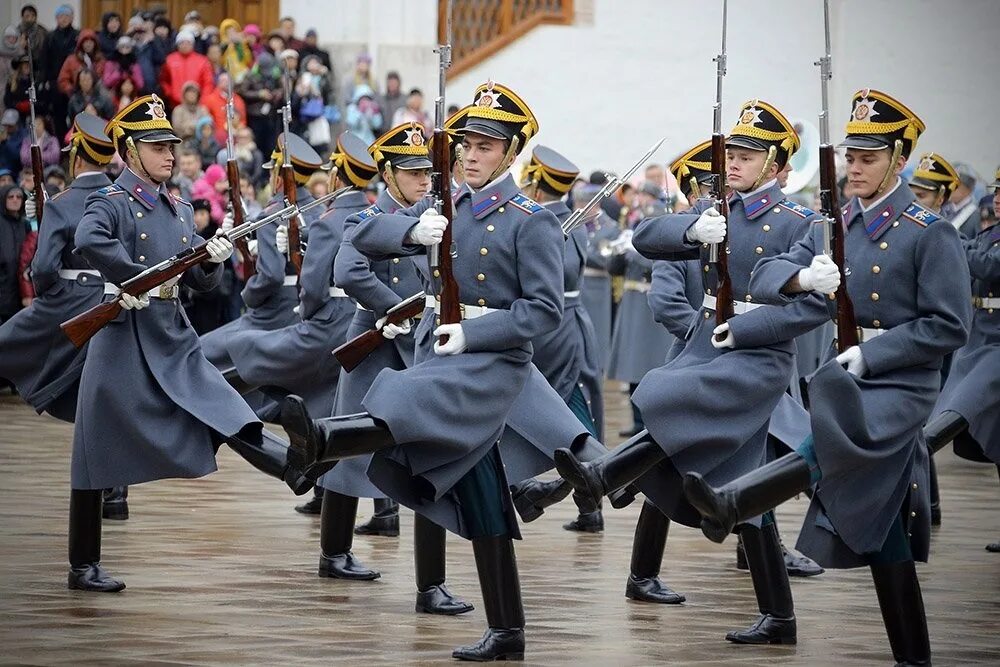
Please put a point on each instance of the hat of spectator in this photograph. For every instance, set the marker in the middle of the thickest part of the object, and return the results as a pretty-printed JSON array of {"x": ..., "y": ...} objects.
[
  {"x": 363, "y": 57},
  {"x": 54, "y": 170},
  {"x": 351, "y": 161},
  {"x": 227, "y": 24},
  {"x": 201, "y": 205},
  {"x": 693, "y": 170},
  {"x": 303, "y": 157},
  {"x": 288, "y": 53},
  {"x": 936, "y": 174},
  {"x": 63, "y": 10},
  {"x": 878, "y": 121},
  {"x": 192, "y": 15},
  {"x": 11, "y": 31},
  {"x": 136, "y": 23},
  {"x": 311, "y": 32},
  {"x": 498, "y": 112},
  {"x": 550, "y": 171},
  {"x": 184, "y": 36},
  {"x": 10, "y": 117},
  {"x": 402, "y": 147},
  {"x": 89, "y": 140},
  {"x": 125, "y": 42},
  {"x": 143, "y": 120},
  {"x": 252, "y": 29}
]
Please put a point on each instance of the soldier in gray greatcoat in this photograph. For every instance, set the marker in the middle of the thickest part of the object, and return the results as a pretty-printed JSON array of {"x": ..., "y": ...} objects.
[
  {"x": 595, "y": 292},
  {"x": 709, "y": 408},
  {"x": 967, "y": 411},
  {"x": 434, "y": 427},
  {"x": 65, "y": 286},
  {"x": 401, "y": 157},
  {"x": 151, "y": 406},
  {"x": 909, "y": 286}
]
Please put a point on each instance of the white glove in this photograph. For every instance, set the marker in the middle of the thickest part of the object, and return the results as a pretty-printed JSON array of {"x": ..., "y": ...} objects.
[
  {"x": 219, "y": 248},
  {"x": 228, "y": 222},
  {"x": 130, "y": 302},
  {"x": 822, "y": 275},
  {"x": 390, "y": 331},
  {"x": 252, "y": 247},
  {"x": 281, "y": 239},
  {"x": 456, "y": 340},
  {"x": 29, "y": 208},
  {"x": 709, "y": 228},
  {"x": 727, "y": 342},
  {"x": 429, "y": 229},
  {"x": 853, "y": 361}
]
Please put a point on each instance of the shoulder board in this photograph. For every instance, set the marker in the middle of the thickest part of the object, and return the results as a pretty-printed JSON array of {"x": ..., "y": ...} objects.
[
  {"x": 58, "y": 194},
  {"x": 181, "y": 200},
  {"x": 113, "y": 189},
  {"x": 797, "y": 209},
  {"x": 369, "y": 212},
  {"x": 525, "y": 203},
  {"x": 920, "y": 215}
]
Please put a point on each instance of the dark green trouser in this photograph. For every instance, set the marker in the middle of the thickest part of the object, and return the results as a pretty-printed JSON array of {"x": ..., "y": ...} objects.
[
  {"x": 480, "y": 497},
  {"x": 578, "y": 406}
]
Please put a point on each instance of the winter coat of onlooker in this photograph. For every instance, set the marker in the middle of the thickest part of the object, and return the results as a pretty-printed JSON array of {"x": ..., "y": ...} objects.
[
  {"x": 185, "y": 65},
  {"x": 362, "y": 76},
  {"x": 150, "y": 55},
  {"x": 89, "y": 96},
  {"x": 87, "y": 55},
  {"x": 60, "y": 44},
  {"x": 11, "y": 136},
  {"x": 35, "y": 35},
  {"x": 413, "y": 111},
  {"x": 15, "y": 93},
  {"x": 186, "y": 115},
  {"x": 124, "y": 94},
  {"x": 111, "y": 31},
  {"x": 252, "y": 34},
  {"x": 393, "y": 99},
  {"x": 48, "y": 144},
  {"x": 237, "y": 57},
  {"x": 248, "y": 158},
  {"x": 11, "y": 50},
  {"x": 215, "y": 102},
  {"x": 204, "y": 141},
  {"x": 311, "y": 48},
  {"x": 14, "y": 229},
  {"x": 214, "y": 187},
  {"x": 259, "y": 90},
  {"x": 363, "y": 115},
  {"x": 122, "y": 63},
  {"x": 164, "y": 36}
]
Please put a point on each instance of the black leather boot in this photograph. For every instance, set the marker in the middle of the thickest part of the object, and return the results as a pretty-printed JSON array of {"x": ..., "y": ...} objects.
[
  {"x": 531, "y": 496},
  {"x": 614, "y": 470},
  {"x": 333, "y": 438},
  {"x": 275, "y": 457},
  {"x": 650, "y": 540},
  {"x": 748, "y": 496},
  {"x": 902, "y": 608},
  {"x": 242, "y": 387},
  {"x": 623, "y": 497},
  {"x": 385, "y": 521},
  {"x": 314, "y": 505},
  {"x": 798, "y": 565},
  {"x": 85, "y": 571},
  {"x": 585, "y": 521},
  {"x": 115, "y": 506},
  {"x": 497, "y": 568},
  {"x": 943, "y": 429},
  {"x": 336, "y": 538},
  {"x": 433, "y": 597},
  {"x": 776, "y": 624}
]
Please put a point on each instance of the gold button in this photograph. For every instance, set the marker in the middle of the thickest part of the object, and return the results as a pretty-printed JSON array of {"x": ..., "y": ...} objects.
[
  {"x": 395, "y": 260},
  {"x": 913, "y": 514},
  {"x": 142, "y": 258},
  {"x": 437, "y": 274},
  {"x": 876, "y": 268},
  {"x": 914, "y": 486},
  {"x": 749, "y": 298},
  {"x": 437, "y": 321},
  {"x": 83, "y": 279},
  {"x": 883, "y": 245},
  {"x": 490, "y": 228},
  {"x": 395, "y": 279},
  {"x": 776, "y": 209},
  {"x": 707, "y": 315},
  {"x": 484, "y": 251},
  {"x": 131, "y": 198},
  {"x": 759, "y": 250},
  {"x": 896, "y": 224},
  {"x": 500, "y": 209},
  {"x": 482, "y": 302},
  {"x": 184, "y": 239},
  {"x": 876, "y": 323},
  {"x": 481, "y": 277},
  {"x": 143, "y": 236},
  {"x": 874, "y": 296},
  {"x": 708, "y": 291},
  {"x": 767, "y": 228},
  {"x": 139, "y": 214},
  {"x": 706, "y": 267}
]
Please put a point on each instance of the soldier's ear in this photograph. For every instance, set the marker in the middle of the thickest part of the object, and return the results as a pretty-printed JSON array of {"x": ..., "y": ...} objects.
[{"x": 900, "y": 164}]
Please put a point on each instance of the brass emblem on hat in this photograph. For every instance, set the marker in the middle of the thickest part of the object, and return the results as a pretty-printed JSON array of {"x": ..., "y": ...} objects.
[
  {"x": 489, "y": 97},
  {"x": 865, "y": 108},
  {"x": 927, "y": 164},
  {"x": 751, "y": 115},
  {"x": 414, "y": 135},
  {"x": 155, "y": 110}
]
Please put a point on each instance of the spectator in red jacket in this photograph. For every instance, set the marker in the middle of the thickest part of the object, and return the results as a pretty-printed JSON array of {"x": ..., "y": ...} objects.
[
  {"x": 215, "y": 102},
  {"x": 87, "y": 55},
  {"x": 185, "y": 65}
]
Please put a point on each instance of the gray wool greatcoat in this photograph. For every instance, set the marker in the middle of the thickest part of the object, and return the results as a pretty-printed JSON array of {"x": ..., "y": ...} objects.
[
  {"x": 447, "y": 412},
  {"x": 377, "y": 287},
  {"x": 907, "y": 275},
  {"x": 298, "y": 358},
  {"x": 595, "y": 294},
  {"x": 34, "y": 354},
  {"x": 151, "y": 406},
  {"x": 973, "y": 386},
  {"x": 709, "y": 409},
  {"x": 269, "y": 301},
  {"x": 569, "y": 357}
]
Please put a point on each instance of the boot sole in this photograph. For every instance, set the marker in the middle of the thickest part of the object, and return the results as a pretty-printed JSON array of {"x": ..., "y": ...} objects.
[
  {"x": 775, "y": 641},
  {"x": 422, "y": 609},
  {"x": 505, "y": 656},
  {"x": 680, "y": 599},
  {"x": 77, "y": 587},
  {"x": 328, "y": 574},
  {"x": 377, "y": 533}
]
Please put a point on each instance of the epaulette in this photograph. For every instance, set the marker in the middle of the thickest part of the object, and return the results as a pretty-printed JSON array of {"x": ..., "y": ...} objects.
[
  {"x": 525, "y": 203},
  {"x": 920, "y": 215},
  {"x": 369, "y": 212},
  {"x": 113, "y": 189},
  {"x": 797, "y": 209}
]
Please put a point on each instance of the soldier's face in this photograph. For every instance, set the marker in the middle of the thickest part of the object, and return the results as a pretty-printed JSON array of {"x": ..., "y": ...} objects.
[
  {"x": 927, "y": 198},
  {"x": 783, "y": 174},
  {"x": 481, "y": 157},
  {"x": 743, "y": 166},
  {"x": 157, "y": 160},
  {"x": 866, "y": 170},
  {"x": 413, "y": 184}
]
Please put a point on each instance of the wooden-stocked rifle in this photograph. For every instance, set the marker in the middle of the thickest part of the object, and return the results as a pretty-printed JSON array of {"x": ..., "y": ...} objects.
[
  {"x": 716, "y": 255},
  {"x": 353, "y": 352},
  {"x": 235, "y": 200},
  {"x": 288, "y": 181},
  {"x": 37, "y": 170}
]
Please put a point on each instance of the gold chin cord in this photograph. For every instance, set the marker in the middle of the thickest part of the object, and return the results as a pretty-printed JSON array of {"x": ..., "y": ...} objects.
[
  {"x": 897, "y": 150},
  {"x": 334, "y": 170},
  {"x": 939, "y": 198},
  {"x": 695, "y": 188},
  {"x": 772, "y": 153},
  {"x": 508, "y": 159}
]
